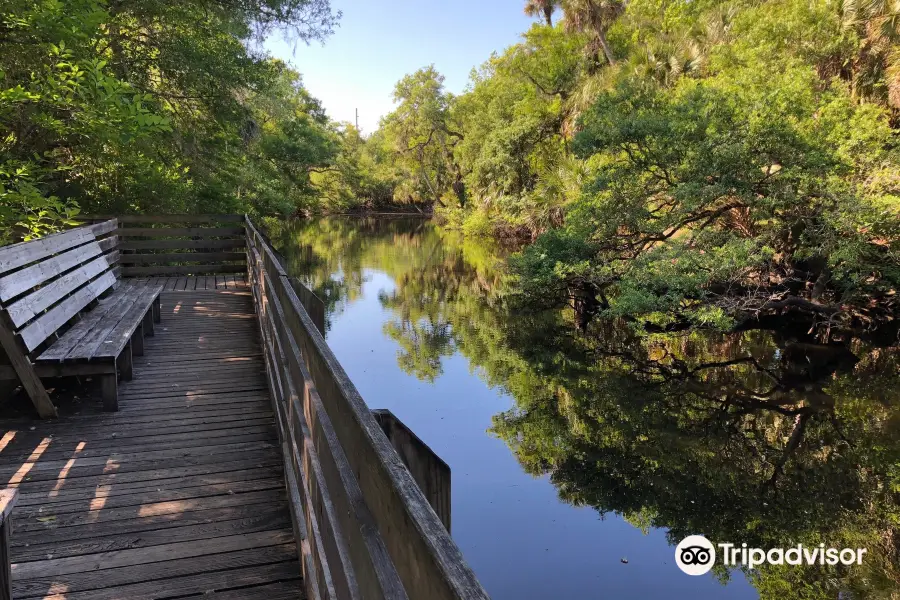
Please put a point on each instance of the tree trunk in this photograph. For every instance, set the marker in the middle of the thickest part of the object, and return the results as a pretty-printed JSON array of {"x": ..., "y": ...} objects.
[
  {"x": 548, "y": 15},
  {"x": 601, "y": 37},
  {"x": 585, "y": 305}
]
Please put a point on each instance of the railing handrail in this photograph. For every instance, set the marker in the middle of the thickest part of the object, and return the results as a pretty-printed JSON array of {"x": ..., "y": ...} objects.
[
  {"x": 365, "y": 529},
  {"x": 184, "y": 218}
]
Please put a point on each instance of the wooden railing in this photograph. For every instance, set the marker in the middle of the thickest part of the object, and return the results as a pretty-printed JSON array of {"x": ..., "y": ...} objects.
[
  {"x": 163, "y": 245},
  {"x": 364, "y": 528},
  {"x": 8, "y": 499}
]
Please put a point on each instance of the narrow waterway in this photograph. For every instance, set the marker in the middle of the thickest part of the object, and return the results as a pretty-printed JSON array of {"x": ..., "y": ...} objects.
[{"x": 580, "y": 460}]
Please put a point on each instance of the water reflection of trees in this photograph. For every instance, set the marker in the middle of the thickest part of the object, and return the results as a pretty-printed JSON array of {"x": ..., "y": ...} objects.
[{"x": 761, "y": 437}]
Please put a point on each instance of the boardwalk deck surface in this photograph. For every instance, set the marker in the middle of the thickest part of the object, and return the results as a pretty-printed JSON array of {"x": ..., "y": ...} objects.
[{"x": 181, "y": 492}]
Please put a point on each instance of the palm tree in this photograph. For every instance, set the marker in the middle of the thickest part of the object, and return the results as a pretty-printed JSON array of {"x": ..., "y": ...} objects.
[
  {"x": 877, "y": 22},
  {"x": 594, "y": 17},
  {"x": 533, "y": 8}
]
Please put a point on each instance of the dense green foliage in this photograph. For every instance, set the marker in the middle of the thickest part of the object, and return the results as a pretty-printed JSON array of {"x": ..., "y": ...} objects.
[
  {"x": 112, "y": 106},
  {"x": 677, "y": 164}
]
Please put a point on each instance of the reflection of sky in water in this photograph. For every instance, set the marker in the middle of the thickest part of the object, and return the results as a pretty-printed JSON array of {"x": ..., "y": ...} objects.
[{"x": 521, "y": 540}]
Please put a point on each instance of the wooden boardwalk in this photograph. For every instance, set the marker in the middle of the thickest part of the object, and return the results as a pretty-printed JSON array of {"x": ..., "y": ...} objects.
[
  {"x": 191, "y": 284},
  {"x": 181, "y": 492}
]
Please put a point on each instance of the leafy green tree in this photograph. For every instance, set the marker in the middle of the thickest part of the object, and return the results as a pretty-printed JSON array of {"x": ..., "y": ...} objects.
[
  {"x": 153, "y": 106},
  {"x": 731, "y": 200},
  {"x": 423, "y": 135}
]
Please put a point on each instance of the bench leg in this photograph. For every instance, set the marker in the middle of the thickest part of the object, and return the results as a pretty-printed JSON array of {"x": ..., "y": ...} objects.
[
  {"x": 137, "y": 341},
  {"x": 148, "y": 324},
  {"x": 157, "y": 310},
  {"x": 126, "y": 363},
  {"x": 110, "y": 389}
]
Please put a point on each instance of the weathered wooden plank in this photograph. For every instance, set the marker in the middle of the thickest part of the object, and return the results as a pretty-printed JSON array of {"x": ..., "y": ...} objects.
[
  {"x": 21, "y": 281},
  {"x": 153, "y": 497},
  {"x": 120, "y": 335},
  {"x": 101, "y": 229},
  {"x": 128, "y": 259},
  {"x": 19, "y": 255},
  {"x": 239, "y": 578},
  {"x": 113, "y": 578},
  {"x": 25, "y": 372},
  {"x": 179, "y": 231},
  {"x": 171, "y": 218},
  {"x": 120, "y": 318},
  {"x": 27, "y": 308},
  {"x": 90, "y": 532},
  {"x": 8, "y": 499},
  {"x": 283, "y": 590},
  {"x": 431, "y": 473},
  {"x": 178, "y": 270},
  {"x": 88, "y": 332},
  {"x": 109, "y": 243},
  {"x": 47, "y": 324},
  {"x": 108, "y": 432},
  {"x": 121, "y": 457},
  {"x": 50, "y": 497},
  {"x": 94, "y": 468},
  {"x": 64, "y": 370},
  {"x": 58, "y": 450},
  {"x": 177, "y": 507},
  {"x": 181, "y": 244},
  {"x": 142, "y": 556}
]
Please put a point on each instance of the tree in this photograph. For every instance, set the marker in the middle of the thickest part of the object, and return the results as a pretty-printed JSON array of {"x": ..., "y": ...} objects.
[
  {"x": 544, "y": 8},
  {"x": 423, "y": 135},
  {"x": 127, "y": 107},
  {"x": 596, "y": 17},
  {"x": 877, "y": 64},
  {"x": 750, "y": 193}
]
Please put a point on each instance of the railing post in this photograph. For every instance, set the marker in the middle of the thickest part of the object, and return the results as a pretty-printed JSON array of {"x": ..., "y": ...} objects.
[{"x": 8, "y": 499}]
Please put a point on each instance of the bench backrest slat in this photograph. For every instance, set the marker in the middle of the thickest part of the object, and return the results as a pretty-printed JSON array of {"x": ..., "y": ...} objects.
[
  {"x": 29, "y": 307},
  {"x": 44, "y": 326},
  {"x": 18, "y": 255},
  {"x": 21, "y": 281}
]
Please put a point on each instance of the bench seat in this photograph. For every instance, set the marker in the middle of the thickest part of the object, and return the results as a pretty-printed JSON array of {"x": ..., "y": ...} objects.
[{"x": 101, "y": 339}]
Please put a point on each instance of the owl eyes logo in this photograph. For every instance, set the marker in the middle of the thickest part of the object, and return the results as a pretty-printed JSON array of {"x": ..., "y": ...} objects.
[{"x": 695, "y": 555}]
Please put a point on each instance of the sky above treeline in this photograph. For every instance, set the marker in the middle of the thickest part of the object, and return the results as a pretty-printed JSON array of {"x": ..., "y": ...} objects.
[{"x": 377, "y": 43}]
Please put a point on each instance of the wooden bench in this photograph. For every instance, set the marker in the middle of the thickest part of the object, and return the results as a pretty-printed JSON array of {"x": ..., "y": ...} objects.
[{"x": 64, "y": 312}]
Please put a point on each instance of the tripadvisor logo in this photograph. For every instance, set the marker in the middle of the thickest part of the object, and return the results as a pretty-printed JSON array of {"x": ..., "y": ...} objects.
[{"x": 696, "y": 555}]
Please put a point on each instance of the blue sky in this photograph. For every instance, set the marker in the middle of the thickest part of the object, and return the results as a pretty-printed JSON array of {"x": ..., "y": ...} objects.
[{"x": 379, "y": 42}]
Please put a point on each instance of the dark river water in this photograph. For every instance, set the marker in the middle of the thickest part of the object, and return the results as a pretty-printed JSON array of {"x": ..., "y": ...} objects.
[{"x": 579, "y": 460}]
